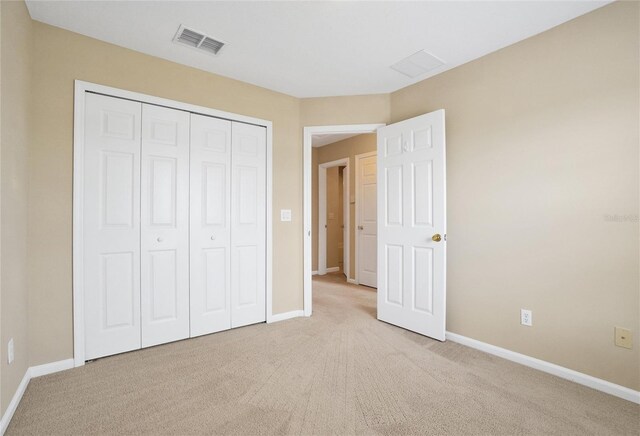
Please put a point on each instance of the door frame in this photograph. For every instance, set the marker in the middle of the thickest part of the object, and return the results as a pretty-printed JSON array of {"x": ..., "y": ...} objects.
[
  {"x": 81, "y": 88},
  {"x": 358, "y": 157},
  {"x": 322, "y": 215},
  {"x": 307, "y": 144}
]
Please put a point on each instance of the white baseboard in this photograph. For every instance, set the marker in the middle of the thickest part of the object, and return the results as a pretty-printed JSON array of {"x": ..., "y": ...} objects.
[
  {"x": 286, "y": 315},
  {"x": 352, "y": 281},
  {"x": 314, "y": 273},
  {"x": 13, "y": 405},
  {"x": 32, "y": 372},
  {"x": 50, "y": 368},
  {"x": 550, "y": 368},
  {"x": 333, "y": 269}
]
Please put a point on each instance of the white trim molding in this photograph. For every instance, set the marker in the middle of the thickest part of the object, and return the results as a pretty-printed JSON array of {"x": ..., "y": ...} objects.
[
  {"x": 286, "y": 315},
  {"x": 50, "y": 368},
  {"x": 30, "y": 373},
  {"x": 308, "y": 133},
  {"x": 81, "y": 89},
  {"x": 550, "y": 368},
  {"x": 13, "y": 404}
]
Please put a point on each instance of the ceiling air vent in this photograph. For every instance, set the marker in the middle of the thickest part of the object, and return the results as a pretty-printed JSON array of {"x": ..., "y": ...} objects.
[
  {"x": 417, "y": 64},
  {"x": 198, "y": 40}
]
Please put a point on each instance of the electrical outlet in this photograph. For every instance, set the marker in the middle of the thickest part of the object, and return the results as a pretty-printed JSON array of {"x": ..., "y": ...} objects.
[
  {"x": 285, "y": 215},
  {"x": 624, "y": 337},
  {"x": 526, "y": 317},
  {"x": 10, "y": 351}
]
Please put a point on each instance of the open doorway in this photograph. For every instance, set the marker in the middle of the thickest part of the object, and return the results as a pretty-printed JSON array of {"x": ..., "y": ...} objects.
[
  {"x": 331, "y": 223},
  {"x": 329, "y": 151}
]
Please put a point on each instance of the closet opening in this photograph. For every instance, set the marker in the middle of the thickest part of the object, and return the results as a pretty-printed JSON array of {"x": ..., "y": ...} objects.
[{"x": 172, "y": 221}]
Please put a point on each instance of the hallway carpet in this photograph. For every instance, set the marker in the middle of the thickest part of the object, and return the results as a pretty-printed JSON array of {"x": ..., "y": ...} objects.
[{"x": 339, "y": 372}]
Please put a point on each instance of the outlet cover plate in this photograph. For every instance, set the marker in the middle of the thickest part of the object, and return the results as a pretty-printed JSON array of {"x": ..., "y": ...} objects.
[
  {"x": 285, "y": 215},
  {"x": 526, "y": 317},
  {"x": 10, "y": 355},
  {"x": 624, "y": 337}
]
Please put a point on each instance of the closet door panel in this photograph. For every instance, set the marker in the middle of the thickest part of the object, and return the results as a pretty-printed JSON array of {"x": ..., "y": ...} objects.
[
  {"x": 210, "y": 224},
  {"x": 248, "y": 225},
  {"x": 111, "y": 225},
  {"x": 165, "y": 225}
]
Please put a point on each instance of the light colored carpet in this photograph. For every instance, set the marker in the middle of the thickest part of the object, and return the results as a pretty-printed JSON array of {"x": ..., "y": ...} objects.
[{"x": 339, "y": 372}]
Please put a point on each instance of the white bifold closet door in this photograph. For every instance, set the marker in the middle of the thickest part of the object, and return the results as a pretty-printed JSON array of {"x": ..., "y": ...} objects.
[
  {"x": 228, "y": 224},
  {"x": 248, "y": 224},
  {"x": 210, "y": 225},
  {"x": 174, "y": 225},
  {"x": 164, "y": 243},
  {"x": 111, "y": 225}
]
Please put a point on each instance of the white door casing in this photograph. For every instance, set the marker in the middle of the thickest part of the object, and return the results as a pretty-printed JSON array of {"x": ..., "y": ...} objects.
[
  {"x": 346, "y": 264},
  {"x": 248, "y": 224},
  {"x": 164, "y": 214},
  {"x": 366, "y": 222},
  {"x": 411, "y": 213},
  {"x": 111, "y": 226},
  {"x": 210, "y": 224}
]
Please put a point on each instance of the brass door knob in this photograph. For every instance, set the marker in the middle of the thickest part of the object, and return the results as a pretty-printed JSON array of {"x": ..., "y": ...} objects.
[{"x": 436, "y": 237}]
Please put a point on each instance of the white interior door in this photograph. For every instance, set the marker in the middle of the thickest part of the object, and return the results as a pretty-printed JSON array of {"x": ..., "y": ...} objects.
[
  {"x": 248, "y": 224},
  {"x": 412, "y": 224},
  {"x": 367, "y": 227},
  {"x": 111, "y": 225},
  {"x": 210, "y": 225},
  {"x": 164, "y": 264}
]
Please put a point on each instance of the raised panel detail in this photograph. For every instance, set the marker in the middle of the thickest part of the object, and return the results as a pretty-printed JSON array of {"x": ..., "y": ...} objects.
[
  {"x": 369, "y": 245},
  {"x": 117, "y": 189},
  {"x": 369, "y": 194},
  {"x": 249, "y": 145},
  {"x": 247, "y": 194},
  {"x": 422, "y": 195},
  {"x": 247, "y": 259},
  {"x": 393, "y": 146},
  {"x": 422, "y": 139},
  {"x": 118, "y": 125},
  {"x": 162, "y": 173},
  {"x": 394, "y": 274},
  {"x": 423, "y": 279},
  {"x": 164, "y": 286},
  {"x": 216, "y": 140},
  {"x": 393, "y": 195},
  {"x": 214, "y": 192},
  {"x": 215, "y": 268},
  {"x": 117, "y": 286},
  {"x": 164, "y": 132}
]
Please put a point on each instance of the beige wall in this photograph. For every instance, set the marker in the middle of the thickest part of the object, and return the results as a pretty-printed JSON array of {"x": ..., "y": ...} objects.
[
  {"x": 334, "y": 218},
  {"x": 62, "y": 56},
  {"x": 542, "y": 145},
  {"x": 358, "y": 109},
  {"x": 349, "y": 147},
  {"x": 15, "y": 138}
]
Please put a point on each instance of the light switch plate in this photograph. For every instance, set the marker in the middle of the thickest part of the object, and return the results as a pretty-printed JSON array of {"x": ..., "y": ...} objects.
[
  {"x": 285, "y": 214},
  {"x": 624, "y": 338}
]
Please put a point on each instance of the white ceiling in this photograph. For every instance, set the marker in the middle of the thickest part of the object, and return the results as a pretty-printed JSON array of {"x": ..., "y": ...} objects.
[
  {"x": 312, "y": 49},
  {"x": 322, "y": 139}
]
